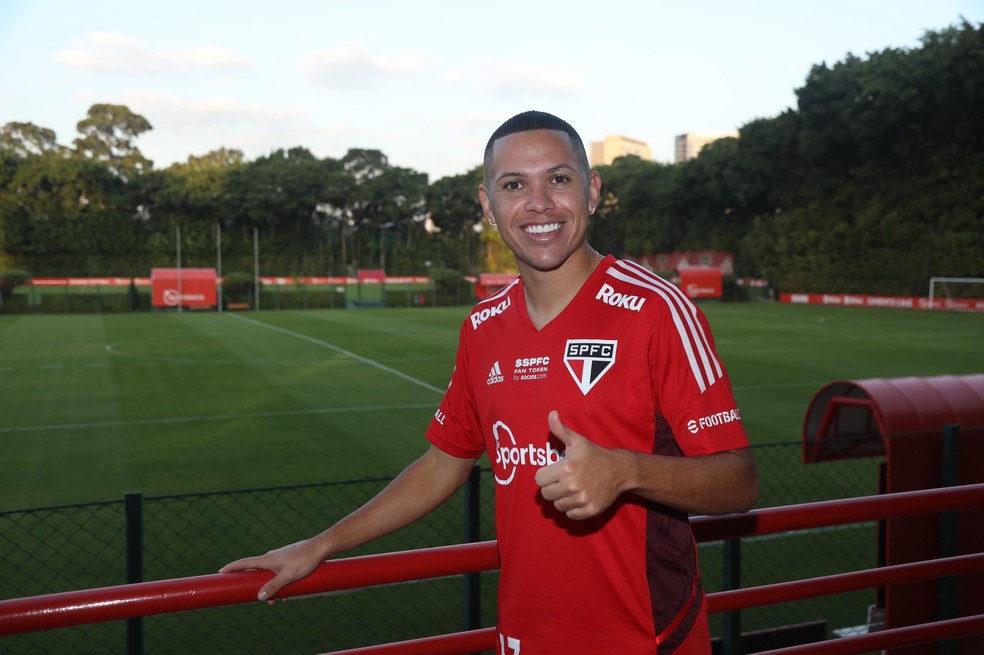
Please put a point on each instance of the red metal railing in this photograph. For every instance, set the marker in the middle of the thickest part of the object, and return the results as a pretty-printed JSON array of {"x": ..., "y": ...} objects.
[{"x": 182, "y": 594}]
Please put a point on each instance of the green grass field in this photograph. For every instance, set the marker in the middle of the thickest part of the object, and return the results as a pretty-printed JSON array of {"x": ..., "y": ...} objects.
[{"x": 94, "y": 406}]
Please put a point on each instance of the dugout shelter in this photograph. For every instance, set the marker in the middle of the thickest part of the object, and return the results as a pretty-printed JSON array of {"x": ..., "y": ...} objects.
[
  {"x": 488, "y": 284},
  {"x": 702, "y": 282},
  {"x": 194, "y": 288},
  {"x": 930, "y": 430}
]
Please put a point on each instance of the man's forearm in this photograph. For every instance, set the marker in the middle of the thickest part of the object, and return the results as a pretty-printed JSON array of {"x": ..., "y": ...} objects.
[
  {"x": 719, "y": 483},
  {"x": 420, "y": 488}
]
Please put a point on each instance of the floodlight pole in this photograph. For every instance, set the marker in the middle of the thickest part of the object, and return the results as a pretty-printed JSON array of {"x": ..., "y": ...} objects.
[
  {"x": 382, "y": 250},
  {"x": 177, "y": 231},
  {"x": 218, "y": 259},
  {"x": 256, "y": 270}
]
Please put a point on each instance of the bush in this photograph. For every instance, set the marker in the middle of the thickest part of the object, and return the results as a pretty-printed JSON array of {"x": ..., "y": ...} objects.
[
  {"x": 303, "y": 297},
  {"x": 408, "y": 298},
  {"x": 450, "y": 287},
  {"x": 238, "y": 287},
  {"x": 11, "y": 278}
]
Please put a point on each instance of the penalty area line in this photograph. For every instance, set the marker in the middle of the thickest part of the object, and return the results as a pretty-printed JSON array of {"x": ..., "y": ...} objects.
[{"x": 341, "y": 351}]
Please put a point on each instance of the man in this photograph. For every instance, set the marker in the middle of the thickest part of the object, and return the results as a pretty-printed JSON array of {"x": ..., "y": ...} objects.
[{"x": 596, "y": 391}]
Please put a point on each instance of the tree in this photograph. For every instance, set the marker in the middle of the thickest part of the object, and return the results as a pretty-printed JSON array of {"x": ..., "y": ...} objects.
[
  {"x": 108, "y": 133},
  {"x": 457, "y": 215},
  {"x": 26, "y": 139},
  {"x": 386, "y": 201}
]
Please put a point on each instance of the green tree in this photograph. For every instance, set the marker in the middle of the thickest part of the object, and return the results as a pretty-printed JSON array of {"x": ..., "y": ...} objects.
[
  {"x": 26, "y": 139},
  {"x": 108, "y": 134},
  {"x": 457, "y": 215}
]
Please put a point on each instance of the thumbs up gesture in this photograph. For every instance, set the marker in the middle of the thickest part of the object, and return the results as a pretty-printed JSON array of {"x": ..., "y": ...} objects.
[{"x": 587, "y": 479}]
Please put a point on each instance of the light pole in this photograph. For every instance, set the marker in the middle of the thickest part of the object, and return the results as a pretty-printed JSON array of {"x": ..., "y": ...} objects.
[{"x": 382, "y": 251}]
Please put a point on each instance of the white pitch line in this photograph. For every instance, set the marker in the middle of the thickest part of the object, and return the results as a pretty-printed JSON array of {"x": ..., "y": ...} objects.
[
  {"x": 794, "y": 533},
  {"x": 331, "y": 346},
  {"x": 213, "y": 417}
]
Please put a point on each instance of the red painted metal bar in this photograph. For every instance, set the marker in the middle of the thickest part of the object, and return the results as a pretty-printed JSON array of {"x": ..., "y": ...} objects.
[
  {"x": 876, "y": 641},
  {"x": 784, "y": 592},
  {"x": 145, "y": 599},
  {"x": 149, "y": 598},
  {"x": 452, "y": 644},
  {"x": 836, "y": 512}
]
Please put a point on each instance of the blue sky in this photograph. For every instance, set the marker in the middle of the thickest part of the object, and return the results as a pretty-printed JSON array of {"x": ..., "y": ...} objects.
[{"x": 427, "y": 82}]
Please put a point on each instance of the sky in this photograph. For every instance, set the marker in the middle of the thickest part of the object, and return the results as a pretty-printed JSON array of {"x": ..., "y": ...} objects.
[{"x": 425, "y": 82}]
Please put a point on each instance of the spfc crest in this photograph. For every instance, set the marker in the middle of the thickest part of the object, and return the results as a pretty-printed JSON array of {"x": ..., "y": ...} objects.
[{"x": 588, "y": 360}]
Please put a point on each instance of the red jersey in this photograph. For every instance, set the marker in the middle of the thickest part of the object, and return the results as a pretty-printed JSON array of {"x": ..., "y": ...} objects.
[{"x": 630, "y": 363}]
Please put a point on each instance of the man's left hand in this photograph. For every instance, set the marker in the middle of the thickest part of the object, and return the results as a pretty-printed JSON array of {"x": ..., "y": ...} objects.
[{"x": 587, "y": 479}]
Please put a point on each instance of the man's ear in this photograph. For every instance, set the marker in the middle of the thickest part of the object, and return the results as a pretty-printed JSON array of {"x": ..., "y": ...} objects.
[
  {"x": 483, "y": 197},
  {"x": 594, "y": 191}
]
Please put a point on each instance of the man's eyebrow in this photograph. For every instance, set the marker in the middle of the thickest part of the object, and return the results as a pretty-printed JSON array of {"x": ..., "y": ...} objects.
[
  {"x": 550, "y": 171},
  {"x": 506, "y": 174}
]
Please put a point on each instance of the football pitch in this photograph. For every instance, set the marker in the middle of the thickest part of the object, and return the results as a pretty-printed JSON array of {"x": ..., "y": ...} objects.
[{"x": 93, "y": 406}]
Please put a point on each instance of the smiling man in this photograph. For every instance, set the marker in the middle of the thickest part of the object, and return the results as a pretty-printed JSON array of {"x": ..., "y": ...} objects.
[{"x": 593, "y": 385}]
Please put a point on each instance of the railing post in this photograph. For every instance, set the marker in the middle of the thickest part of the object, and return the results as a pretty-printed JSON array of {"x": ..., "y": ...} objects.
[
  {"x": 473, "y": 525},
  {"x": 948, "y": 533},
  {"x": 732, "y": 580},
  {"x": 134, "y": 565}
]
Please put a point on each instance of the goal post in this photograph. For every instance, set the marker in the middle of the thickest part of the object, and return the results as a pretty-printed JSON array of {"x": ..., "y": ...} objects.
[{"x": 943, "y": 284}]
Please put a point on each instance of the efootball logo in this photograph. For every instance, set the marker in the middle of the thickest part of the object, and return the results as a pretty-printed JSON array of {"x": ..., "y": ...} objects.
[{"x": 588, "y": 360}]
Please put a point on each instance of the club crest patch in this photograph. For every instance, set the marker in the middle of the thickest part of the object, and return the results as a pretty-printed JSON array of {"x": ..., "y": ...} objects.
[{"x": 588, "y": 360}]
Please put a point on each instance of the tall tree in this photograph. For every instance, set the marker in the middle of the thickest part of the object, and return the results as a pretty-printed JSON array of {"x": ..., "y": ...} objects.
[
  {"x": 108, "y": 134},
  {"x": 25, "y": 139},
  {"x": 457, "y": 215}
]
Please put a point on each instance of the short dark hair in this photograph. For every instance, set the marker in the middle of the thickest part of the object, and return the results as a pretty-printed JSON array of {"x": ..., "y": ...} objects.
[{"x": 537, "y": 120}]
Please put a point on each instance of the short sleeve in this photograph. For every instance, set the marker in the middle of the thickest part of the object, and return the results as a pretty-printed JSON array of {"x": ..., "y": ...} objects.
[
  {"x": 455, "y": 428},
  {"x": 691, "y": 388}
]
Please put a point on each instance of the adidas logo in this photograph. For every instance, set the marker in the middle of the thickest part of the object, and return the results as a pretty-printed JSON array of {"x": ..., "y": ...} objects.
[{"x": 495, "y": 374}]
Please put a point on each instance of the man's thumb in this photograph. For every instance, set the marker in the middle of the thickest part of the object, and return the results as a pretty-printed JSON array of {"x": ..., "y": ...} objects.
[{"x": 567, "y": 436}]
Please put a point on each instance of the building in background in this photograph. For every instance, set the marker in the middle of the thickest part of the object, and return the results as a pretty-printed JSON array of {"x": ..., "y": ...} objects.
[
  {"x": 688, "y": 145},
  {"x": 603, "y": 153}
]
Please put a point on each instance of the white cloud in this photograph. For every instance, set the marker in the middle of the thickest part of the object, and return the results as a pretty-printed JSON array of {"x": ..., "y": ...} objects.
[
  {"x": 211, "y": 57},
  {"x": 104, "y": 52},
  {"x": 351, "y": 65},
  {"x": 207, "y": 113},
  {"x": 508, "y": 80}
]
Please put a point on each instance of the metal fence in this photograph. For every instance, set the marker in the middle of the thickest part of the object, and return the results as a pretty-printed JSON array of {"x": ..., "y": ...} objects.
[
  {"x": 102, "y": 544},
  {"x": 113, "y": 300}
]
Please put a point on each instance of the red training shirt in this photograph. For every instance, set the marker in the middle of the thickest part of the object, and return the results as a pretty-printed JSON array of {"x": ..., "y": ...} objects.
[{"x": 630, "y": 363}]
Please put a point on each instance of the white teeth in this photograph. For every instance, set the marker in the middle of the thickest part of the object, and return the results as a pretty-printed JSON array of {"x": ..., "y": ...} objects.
[{"x": 542, "y": 229}]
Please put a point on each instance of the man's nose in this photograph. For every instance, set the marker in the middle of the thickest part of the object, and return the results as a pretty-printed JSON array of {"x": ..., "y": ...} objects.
[{"x": 539, "y": 199}]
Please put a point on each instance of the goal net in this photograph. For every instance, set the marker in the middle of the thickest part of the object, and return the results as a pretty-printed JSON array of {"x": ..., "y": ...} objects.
[{"x": 956, "y": 293}]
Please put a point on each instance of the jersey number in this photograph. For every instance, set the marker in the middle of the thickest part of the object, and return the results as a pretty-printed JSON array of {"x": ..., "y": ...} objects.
[{"x": 508, "y": 645}]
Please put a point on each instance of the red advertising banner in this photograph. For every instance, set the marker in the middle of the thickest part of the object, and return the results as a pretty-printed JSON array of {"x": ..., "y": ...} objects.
[
  {"x": 89, "y": 281},
  {"x": 184, "y": 287},
  {"x": 702, "y": 282},
  {"x": 898, "y": 302}
]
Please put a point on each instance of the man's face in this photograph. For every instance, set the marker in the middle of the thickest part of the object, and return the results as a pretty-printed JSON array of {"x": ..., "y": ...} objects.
[{"x": 539, "y": 197}]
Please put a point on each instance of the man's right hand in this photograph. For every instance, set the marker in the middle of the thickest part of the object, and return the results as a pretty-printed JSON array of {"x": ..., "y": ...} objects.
[{"x": 290, "y": 563}]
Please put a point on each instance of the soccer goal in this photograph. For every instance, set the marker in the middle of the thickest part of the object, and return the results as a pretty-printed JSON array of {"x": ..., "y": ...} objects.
[{"x": 955, "y": 292}]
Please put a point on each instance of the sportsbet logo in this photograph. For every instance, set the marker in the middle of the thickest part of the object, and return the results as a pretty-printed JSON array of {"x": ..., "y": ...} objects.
[{"x": 509, "y": 457}]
